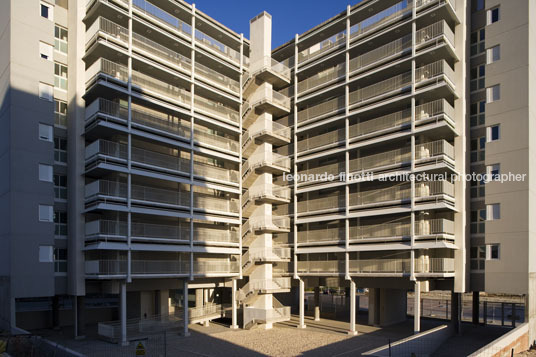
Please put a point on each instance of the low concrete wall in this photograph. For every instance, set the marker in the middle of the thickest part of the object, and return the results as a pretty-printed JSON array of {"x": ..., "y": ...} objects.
[
  {"x": 517, "y": 339},
  {"x": 421, "y": 344}
]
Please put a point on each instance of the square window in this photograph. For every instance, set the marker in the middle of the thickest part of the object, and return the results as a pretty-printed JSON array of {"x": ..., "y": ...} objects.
[
  {"x": 46, "y": 213},
  {"x": 493, "y": 251},
  {"x": 45, "y": 173},
  {"x": 45, "y": 51},
  {"x": 493, "y": 15},
  {"x": 493, "y": 211},
  {"x": 493, "y": 171},
  {"x": 46, "y": 92},
  {"x": 493, "y": 133},
  {"x": 46, "y": 254},
  {"x": 45, "y": 132},
  {"x": 493, "y": 54},
  {"x": 493, "y": 93},
  {"x": 46, "y": 10}
]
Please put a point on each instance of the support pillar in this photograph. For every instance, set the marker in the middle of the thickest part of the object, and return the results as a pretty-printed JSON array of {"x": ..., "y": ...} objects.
[
  {"x": 417, "y": 308},
  {"x": 123, "y": 313},
  {"x": 234, "y": 324},
  {"x": 456, "y": 311},
  {"x": 317, "y": 303},
  {"x": 302, "y": 305},
  {"x": 199, "y": 297},
  {"x": 513, "y": 314},
  {"x": 56, "y": 312},
  {"x": 80, "y": 318},
  {"x": 186, "y": 316},
  {"x": 351, "y": 296},
  {"x": 206, "y": 293},
  {"x": 374, "y": 307},
  {"x": 476, "y": 307}
]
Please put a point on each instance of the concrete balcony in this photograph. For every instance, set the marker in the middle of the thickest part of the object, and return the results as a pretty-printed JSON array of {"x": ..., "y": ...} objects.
[
  {"x": 142, "y": 118},
  {"x": 263, "y": 286},
  {"x": 221, "y": 142},
  {"x": 381, "y": 54},
  {"x": 264, "y": 99},
  {"x": 264, "y": 194},
  {"x": 315, "y": 51},
  {"x": 118, "y": 268},
  {"x": 259, "y": 225},
  {"x": 264, "y": 255},
  {"x": 431, "y": 151},
  {"x": 322, "y": 78},
  {"x": 381, "y": 19},
  {"x": 402, "y": 230},
  {"x": 263, "y": 162},
  {"x": 268, "y": 70},
  {"x": 317, "y": 111},
  {"x": 108, "y": 30},
  {"x": 322, "y": 235},
  {"x": 321, "y": 204},
  {"x": 264, "y": 130},
  {"x": 116, "y": 192},
  {"x": 434, "y": 33},
  {"x": 207, "y": 202},
  {"x": 422, "y": 4},
  {"x": 327, "y": 267},
  {"x": 216, "y": 268},
  {"x": 318, "y": 141},
  {"x": 423, "y": 265}
]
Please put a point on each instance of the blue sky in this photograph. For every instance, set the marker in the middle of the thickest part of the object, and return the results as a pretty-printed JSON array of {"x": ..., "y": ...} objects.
[{"x": 288, "y": 16}]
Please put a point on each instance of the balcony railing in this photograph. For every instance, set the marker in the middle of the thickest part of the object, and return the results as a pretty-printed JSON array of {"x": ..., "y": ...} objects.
[
  {"x": 205, "y": 201},
  {"x": 434, "y": 188},
  {"x": 435, "y": 71},
  {"x": 108, "y": 27},
  {"x": 322, "y": 47},
  {"x": 434, "y": 226},
  {"x": 260, "y": 191},
  {"x": 265, "y": 126},
  {"x": 380, "y": 88},
  {"x": 421, "y": 3},
  {"x": 384, "y": 230},
  {"x": 394, "y": 193},
  {"x": 397, "y": 11},
  {"x": 204, "y": 170},
  {"x": 384, "y": 122},
  {"x": 321, "y": 235},
  {"x": 156, "y": 49},
  {"x": 321, "y": 203},
  {"x": 216, "y": 267},
  {"x": 157, "y": 13},
  {"x": 433, "y": 32},
  {"x": 402, "y": 266},
  {"x": 434, "y": 149},
  {"x": 222, "y": 142},
  {"x": 138, "y": 267},
  {"x": 266, "y": 254},
  {"x": 383, "y": 52},
  {"x": 139, "y": 193},
  {"x": 263, "y": 223},
  {"x": 267, "y": 62},
  {"x": 321, "y": 109},
  {"x": 217, "y": 77},
  {"x": 204, "y": 234},
  {"x": 327, "y": 266},
  {"x": 320, "y": 173},
  {"x": 213, "y": 44},
  {"x": 217, "y": 109},
  {"x": 321, "y": 78},
  {"x": 431, "y": 109},
  {"x": 265, "y": 159},
  {"x": 317, "y": 141}
]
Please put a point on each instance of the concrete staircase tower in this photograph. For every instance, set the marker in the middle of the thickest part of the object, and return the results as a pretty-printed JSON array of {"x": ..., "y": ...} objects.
[{"x": 262, "y": 104}]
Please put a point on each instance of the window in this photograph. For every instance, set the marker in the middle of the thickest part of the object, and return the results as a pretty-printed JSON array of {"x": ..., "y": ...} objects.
[
  {"x": 493, "y": 93},
  {"x": 45, "y": 213},
  {"x": 478, "y": 221},
  {"x": 60, "y": 260},
  {"x": 60, "y": 76},
  {"x": 493, "y": 211},
  {"x": 493, "y": 54},
  {"x": 493, "y": 133},
  {"x": 60, "y": 149},
  {"x": 45, "y": 132},
  {"x": 46, "y": 91},
  {"x": 478, "y": 113},
  {"x": 45, "y": 254},
  {"x": 493, "y": 15},
  {"x": 45, "y": 51},
  {"x": 60, "y": 224},
  {"x": 478, "y": 149},
  {"x": 60, "y": 187},
  {"x": 60, "y": 39},
  {"x": 478, "y": 257},
  {"x": 477, "y": 5},
  {"x": 478, "y": 189},
  {"x": 60, "y": 113},
  {"x": 47, "y": 10},
  {"x": 493, "y": 251},
  {"x": 478, "y": 80},
  {"x": 493, "y": 171},
  {"x": 45, "y": 173},
  {"x": 478, "y": 42}
]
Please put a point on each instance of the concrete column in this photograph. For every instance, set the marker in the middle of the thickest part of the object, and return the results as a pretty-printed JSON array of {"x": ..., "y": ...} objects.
[
  {"x": 206, "y": 293},
  {"x": 199, "y": 297},
  {"x": 514, "y": 314},
  {"x": 374, "y": 306},
  {"x": 317, "y": 303},
  {"x": 80, "y": 317},
  {"x": 351, "y": 296},
  {"x": 456, "y": 311},
  {"x": 234, "y": 324},
  {"x": 476, "y": 307},
  {"x": 56, "y": 312},
  {"x": 302, "y": 304},
  {"x": 185, "y": 306},
  {"x": 417, "y": 308},
  {"x": 123, "y": 312}
]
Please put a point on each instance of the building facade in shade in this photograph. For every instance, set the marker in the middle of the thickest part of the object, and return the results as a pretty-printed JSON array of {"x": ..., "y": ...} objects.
[{"x": 147, "y": 151}]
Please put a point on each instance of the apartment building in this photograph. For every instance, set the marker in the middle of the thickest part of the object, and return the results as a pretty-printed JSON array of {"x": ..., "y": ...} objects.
[{"x": 148, "y": 150}]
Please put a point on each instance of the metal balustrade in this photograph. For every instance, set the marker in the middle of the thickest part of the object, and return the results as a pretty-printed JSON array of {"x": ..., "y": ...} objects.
[
  {"x": 398, "y": 192},
  {"x": 434, "y": 148},
  {"x": 266, "y": 190},
  {"x": 395, "y": 12},
  {"x": 266, "y": 254},
  {"x": 402, "y": 266},
  {"x": 326, "y": 266},
  {"x": 223, "y": 204},
  {"x": 380, "y": 88},
  {"x": 319, "y": 173},
  {"x": 384, "y": 230},
  {"x": 321, "y": 203},
  {"x": 321, "y": 78},
  {"x": 322, "y": 47},
  {"x": 317, "y": 141},
  {"x": 433, "y": 32},
  {"x": 321, "y": 109},
  {"x": 204, "y": 170},
  {"x": 203, "y": 234},
  {"x": 162, "y": 52},
  {"x": 431, "y": 109},
  {"x": 137, "y": 267},
  {"x": 422, "y": 3},
  {"x": 434, "y": 227},
  {"x": 217, "y": 109},
  {"x": 267, "y": 62},
  {"x": 433, "y": 188},
  {"x": 108, "y": 27},
  {"x": 266, "y": 126},
  {"x": 222, "y": 142},
  {"x": 434, "y": 70},
  {"x": 157, "y": 13},
  {"x": 434, "y": 265},
  {"x": 321, "y": 235},
  {"x": 216, "y": 267},
  {"x": 265, "y": 159},
  {"x": 217, "y": 77},
  {"x": 380, "y": 53},
  {"x": 214, "y": 44}
]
